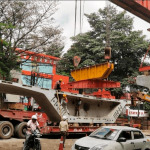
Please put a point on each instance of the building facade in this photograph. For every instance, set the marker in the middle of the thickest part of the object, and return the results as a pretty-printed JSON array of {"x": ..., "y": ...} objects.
[{"x": 38, "y": 70}]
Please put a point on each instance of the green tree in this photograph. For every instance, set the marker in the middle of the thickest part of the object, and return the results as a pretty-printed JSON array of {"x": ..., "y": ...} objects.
[
  {"x": 54, "y": 50},
  {"x": 8, "y": 61},
  {"x": 29, "y": 26},
  {"x": 128, "y": 46}
]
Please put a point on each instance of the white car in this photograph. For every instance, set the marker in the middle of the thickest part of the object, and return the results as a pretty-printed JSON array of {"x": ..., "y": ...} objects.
[{"x": 114, "y": 138}]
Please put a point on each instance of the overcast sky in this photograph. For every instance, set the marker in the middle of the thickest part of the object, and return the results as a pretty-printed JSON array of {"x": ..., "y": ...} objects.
[{"x": 65, "y": 17}]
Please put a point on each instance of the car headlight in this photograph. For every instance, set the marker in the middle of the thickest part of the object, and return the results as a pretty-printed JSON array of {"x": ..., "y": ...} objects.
[{"x": 98, "y": 147}]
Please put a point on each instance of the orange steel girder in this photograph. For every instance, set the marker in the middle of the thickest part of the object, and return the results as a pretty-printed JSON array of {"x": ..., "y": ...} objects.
[
  {"x": 140, "y": 8},
  {"x": 99, "y": 71}
]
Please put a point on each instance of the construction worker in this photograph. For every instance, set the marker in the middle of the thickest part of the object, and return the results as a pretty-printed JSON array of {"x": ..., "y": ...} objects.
[
  {"x": 64, "y": 102},
  {"x": 21, "y": 98},
  {"x": 63, "y": 126},
  {"x": 58, "y": 85},
  {"x": 77, "y": 106},
  {"x": 31, "y": 126}
]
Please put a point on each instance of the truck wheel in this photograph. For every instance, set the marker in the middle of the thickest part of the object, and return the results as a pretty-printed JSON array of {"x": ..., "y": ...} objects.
[
  {"x": 21, "y": 130},
  {"x": 15, "y": 130},
  {"x": 6, "y": 129}
]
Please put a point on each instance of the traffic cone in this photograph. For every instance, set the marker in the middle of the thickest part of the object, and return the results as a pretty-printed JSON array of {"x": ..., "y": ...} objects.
[{"x": 61, "y": 143}]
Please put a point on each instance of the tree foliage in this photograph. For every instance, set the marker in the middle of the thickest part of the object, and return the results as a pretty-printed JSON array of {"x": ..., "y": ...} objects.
[
  {"x": 128, "y": 46},
  {"x": 30, "y": 26},
  {"x": 8, "y": 61},
  {"x": 55, "y": 50}
]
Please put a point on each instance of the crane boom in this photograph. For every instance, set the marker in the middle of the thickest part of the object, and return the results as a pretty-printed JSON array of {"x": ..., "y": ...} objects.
[{"x": 140, "y": 8}]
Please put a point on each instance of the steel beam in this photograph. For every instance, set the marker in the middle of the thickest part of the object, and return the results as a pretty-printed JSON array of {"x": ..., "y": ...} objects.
[
  {"x": 140, "y": 8},
  {"x": 100, "y": 71},
  {"x": 146, "y": 68},
  {"x": 89, "y": 84}
]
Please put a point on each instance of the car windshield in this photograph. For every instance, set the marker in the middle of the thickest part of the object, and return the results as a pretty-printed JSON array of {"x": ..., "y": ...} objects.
[{"x": 105, "y": 133}]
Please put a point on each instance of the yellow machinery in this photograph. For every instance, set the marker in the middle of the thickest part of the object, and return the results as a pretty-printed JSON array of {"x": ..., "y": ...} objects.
[
  {"x": 143, "y": 96},
  {"x": 100, "y": 71}
]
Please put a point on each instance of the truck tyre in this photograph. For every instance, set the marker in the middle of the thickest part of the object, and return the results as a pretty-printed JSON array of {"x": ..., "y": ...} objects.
[
  {"x": 15, "y": 130},
  {"x": 6, "y": 130},
  {"x": 21, "y": 130}
]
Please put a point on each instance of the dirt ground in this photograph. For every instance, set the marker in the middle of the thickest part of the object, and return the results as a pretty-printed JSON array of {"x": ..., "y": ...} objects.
[{"x": 47, "y": 144}]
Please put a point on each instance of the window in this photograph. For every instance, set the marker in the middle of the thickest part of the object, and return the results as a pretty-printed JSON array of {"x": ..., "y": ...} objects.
[
  {"x": 126, "y": 134},
  {"x": 137, "y": 135},
  {"x": 105, "y": 133}
]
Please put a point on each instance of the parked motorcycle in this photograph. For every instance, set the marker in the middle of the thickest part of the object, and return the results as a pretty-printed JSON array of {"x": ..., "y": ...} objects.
[{"x": 33, "y": 142}]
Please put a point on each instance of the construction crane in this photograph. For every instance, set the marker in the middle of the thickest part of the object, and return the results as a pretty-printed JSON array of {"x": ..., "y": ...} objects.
[
  {"x": 143, "y": 97},
  {"x": 140, "y": 8}
]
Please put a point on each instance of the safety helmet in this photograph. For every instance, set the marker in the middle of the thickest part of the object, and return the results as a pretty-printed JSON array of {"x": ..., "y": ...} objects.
[
  {"x": 64, "y": 117},
  {"x": 60, "y": 80},
  {"x": 34, "y": 117},
  {"x": 64, "y": 95}
]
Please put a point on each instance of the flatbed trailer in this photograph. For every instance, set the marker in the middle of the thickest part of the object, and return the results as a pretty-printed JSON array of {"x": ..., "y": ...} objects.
[{"x": 13, "y": 122}]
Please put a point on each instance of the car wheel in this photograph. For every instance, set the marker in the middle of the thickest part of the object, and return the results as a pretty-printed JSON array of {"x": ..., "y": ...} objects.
[
  {"x": 21, "y": 130},
  {"x": 6, "y": 129}
]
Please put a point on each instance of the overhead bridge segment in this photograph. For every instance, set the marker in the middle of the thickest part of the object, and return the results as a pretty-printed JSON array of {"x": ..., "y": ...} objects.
[
  {"x": 93, "y": 109},
  {"x": 44, "y": 97}
]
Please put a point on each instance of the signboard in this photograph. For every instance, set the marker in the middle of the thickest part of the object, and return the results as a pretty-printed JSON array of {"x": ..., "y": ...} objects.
[{"x": 134, "y": 113}]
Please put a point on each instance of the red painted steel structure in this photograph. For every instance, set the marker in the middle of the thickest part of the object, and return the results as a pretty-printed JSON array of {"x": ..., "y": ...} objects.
[
  {"x": 95, "y": 83},
  {"x": 38, "y": 57},
  {"x": 140, "y": 8},
  {"x": 145, "y": 68},
  {"x": 45, "y": 59},
  {"x": 43, "y": 121},
  {"x": 41, "y": 75},
  {"x": 103, "y": 93}
]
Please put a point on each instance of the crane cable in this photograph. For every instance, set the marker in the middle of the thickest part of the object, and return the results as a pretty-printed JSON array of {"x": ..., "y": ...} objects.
[
  {"x": 82, "y": 15},
  {"x": 75, "y": 17},
  {"x": 107, "y": 25}
]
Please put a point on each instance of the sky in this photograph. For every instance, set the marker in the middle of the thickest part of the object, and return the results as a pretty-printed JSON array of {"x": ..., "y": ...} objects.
[{"x": 65, "y": 17}]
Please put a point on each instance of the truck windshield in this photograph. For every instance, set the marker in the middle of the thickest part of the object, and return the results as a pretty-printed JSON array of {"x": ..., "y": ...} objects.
[{"x": 105, "y": 133}]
